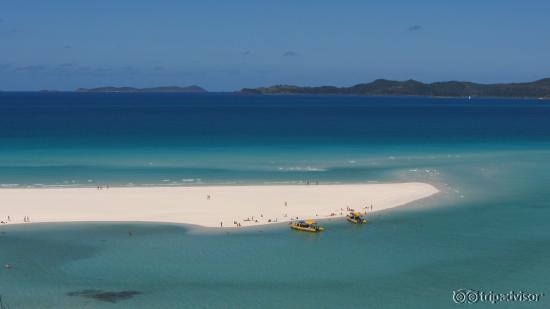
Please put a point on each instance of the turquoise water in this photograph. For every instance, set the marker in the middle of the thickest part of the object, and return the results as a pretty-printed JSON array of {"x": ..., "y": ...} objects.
[{"x": 487, "y": 230}]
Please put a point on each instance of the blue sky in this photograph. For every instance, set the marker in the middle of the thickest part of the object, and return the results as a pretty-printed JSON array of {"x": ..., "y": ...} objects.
[{"x": 227, "y": 45}]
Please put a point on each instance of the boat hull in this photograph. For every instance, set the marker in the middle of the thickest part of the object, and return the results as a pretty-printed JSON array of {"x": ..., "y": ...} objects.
[
  {"x": 355, "y": 221},
  {"x": 306, "y": 229}
]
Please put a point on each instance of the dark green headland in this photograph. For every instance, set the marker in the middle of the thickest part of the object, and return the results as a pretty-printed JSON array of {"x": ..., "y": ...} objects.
[{"x": 536, "y": 89}]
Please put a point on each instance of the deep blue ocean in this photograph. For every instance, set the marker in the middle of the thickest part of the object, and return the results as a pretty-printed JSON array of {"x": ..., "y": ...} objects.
[{"x": 487, "y": 230}]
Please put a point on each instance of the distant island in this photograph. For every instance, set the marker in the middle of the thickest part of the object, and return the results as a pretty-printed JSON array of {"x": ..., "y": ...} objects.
[
  {"x": 188, "y": 89},
  {"x": 536, "y": 89}
]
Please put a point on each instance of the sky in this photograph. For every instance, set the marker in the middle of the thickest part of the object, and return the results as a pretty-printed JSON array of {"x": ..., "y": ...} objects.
[{"x": 228, "y": 45}]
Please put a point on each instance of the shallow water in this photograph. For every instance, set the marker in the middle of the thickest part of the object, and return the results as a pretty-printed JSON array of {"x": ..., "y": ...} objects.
[{"x": 487, "y": 230}]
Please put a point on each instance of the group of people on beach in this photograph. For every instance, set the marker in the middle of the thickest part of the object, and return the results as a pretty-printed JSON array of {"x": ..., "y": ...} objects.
[
  {"x": 25, "y": 219},
  {"x": 285, "y": 215},
  {"x": 311, "y": 182}
]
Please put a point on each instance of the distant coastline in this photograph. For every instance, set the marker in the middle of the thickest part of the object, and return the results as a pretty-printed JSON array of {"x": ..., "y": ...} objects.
[
  {"x": 539, "y": 89},
  {"x": 166, "y": 89}
]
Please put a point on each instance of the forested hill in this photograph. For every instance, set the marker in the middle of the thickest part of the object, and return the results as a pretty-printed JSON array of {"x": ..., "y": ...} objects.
[{"x": 536, "y": 89}]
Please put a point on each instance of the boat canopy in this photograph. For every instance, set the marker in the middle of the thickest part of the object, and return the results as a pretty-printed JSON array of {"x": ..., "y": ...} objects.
[{"x": 310, "y": 222}]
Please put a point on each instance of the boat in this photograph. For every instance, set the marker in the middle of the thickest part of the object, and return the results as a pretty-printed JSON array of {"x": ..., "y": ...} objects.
[
  {"x": 306, "y": 226},
  {"x": 356, "y": 218}
]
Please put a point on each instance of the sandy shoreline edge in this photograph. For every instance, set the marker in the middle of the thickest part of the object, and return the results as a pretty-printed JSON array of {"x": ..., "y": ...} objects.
[{"x": 207, "y": 206}]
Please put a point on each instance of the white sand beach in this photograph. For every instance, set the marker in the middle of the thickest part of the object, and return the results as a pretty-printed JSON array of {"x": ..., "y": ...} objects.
[{"x": 204, "y": 205}]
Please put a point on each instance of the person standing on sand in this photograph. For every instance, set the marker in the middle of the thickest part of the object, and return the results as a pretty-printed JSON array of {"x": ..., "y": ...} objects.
[{"x": 221, "y": 224}]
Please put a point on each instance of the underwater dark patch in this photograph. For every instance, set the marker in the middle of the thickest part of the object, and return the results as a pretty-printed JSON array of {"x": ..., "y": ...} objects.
[{"x": 106, "y": 296}]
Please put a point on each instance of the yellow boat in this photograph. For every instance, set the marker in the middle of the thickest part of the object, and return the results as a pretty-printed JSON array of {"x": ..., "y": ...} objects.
[
  {"x": 356, "y": 218},
  {"x": 306, "y": 226}
]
